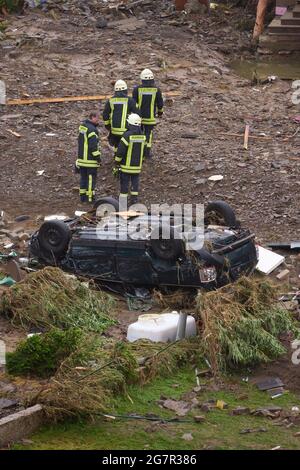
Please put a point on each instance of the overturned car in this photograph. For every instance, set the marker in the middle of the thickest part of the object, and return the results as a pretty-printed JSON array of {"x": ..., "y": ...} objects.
[{"x": 131, "y": 248}]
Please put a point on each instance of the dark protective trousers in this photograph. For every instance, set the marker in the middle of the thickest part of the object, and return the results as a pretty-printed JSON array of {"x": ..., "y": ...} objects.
[
  {"x": 148, "y": 131},
  {"x": 130, "y": 183},
  {"x": 114, "y": 141},
  {"x": 88, "y": 178}
]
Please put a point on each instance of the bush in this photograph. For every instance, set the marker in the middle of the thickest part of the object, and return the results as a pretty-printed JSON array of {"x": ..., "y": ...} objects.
[
  {"x": 11, "y": 5},
  {"x": 41, "y": 355}
]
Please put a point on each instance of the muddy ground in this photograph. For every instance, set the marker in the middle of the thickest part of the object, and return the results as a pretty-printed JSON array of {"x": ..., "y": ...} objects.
[{"x": 63, "y": 51}]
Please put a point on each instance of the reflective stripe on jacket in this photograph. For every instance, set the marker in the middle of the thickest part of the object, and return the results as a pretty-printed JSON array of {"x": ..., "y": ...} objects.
[
  {"x": 130, "y": 152},
  {"x": 116, "y": 112},
  {"x": 149, "y": 99},
  {"x": 88, "y": 146}
]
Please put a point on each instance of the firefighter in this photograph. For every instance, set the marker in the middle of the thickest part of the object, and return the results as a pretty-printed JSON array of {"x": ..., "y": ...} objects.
[
  {"x": 89, "y": 156},
  {"x": 129, "y": 158},
  {"x": 150, "y": 102},
  {"x": 116, "y": 112}
]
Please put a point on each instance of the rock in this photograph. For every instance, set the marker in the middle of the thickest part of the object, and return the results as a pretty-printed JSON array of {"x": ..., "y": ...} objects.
[
  {"x": 23, "y": 237},
  {"x": 283, "y": 274},
  {"x": 200, "y": 167},
  {"x": 206, "y": 407},
  {"x": 240, "y": 410},
  {"x": 6, "y": 403},
  {"x": 180, "y": 407},
  {"x": 199, "y": 419},
  {"x": 101, "y": 23},
  {"x": 200, "y": 181},
  {"x": 6, "y": 388},
  {"x": 187, "y": 437},
  {"x": 22, "y": 218}
]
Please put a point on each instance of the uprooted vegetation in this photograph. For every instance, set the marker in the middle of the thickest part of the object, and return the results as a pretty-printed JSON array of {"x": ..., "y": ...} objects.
[
  {"x": 239, "y": 325},
  {"x": 88, "y": 379},
  {"x": 50, "y": 298},
  {"x": 242, "y": 323}
]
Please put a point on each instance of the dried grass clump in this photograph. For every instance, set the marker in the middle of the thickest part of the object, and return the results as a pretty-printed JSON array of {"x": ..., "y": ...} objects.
[
  {"x": 86, "y": 381},
  {"x": 50, "y": 298},
  {"x": 91, "y": 376},
  {"x": 159, "y": 359},
  {"x": 177, "y": 300},
  {"x": 241, "y": 323}
]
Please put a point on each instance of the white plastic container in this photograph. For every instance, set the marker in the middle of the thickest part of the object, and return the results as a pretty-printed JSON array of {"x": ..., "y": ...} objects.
[{"x": 159, "y": 328}]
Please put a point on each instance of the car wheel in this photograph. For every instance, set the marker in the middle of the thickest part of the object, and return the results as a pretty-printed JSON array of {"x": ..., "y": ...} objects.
[
  {"x": 168, "y": 249},
  {"x": 106, "y": 205},
  {"x": 54, "y": 237},
  {"x": 220, "y": 213}
]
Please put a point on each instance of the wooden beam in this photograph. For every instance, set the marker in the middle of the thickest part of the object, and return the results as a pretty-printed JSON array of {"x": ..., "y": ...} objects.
[
  {"x": 67, "y": 99},
  {"x": 246, "y": 136}
]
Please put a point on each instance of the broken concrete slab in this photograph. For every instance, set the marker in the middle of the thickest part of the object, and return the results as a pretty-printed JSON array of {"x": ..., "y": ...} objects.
[
  {"x": 268, "y": 383},
  {"x": 180, "y": 407},
  {"x": 240, "y": 411},
  {"x": 20, "y": 425}
]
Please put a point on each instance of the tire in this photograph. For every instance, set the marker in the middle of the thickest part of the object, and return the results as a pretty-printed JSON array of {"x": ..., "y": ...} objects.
[
  {"x": 220, "y": 213},
  {"x": 169, "y": 250},
  {"x": 106, "y": 205},
  {"x": 54, "y": 237}
]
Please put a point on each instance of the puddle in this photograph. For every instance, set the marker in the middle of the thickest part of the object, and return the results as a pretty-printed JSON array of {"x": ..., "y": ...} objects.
[{"x": 284, "y": 67}]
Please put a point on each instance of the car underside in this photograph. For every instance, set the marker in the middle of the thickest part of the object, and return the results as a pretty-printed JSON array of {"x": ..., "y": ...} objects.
[{"x": 108, "y": 250}]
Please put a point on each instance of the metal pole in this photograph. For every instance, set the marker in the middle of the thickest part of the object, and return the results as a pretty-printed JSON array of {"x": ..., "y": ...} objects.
[{"x": 181, "y": 328}]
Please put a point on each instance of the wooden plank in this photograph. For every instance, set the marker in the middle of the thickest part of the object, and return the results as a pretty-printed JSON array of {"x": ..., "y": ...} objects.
[
  {"x": 67, "y": 99},
  {"x": 246, "y": 136}
]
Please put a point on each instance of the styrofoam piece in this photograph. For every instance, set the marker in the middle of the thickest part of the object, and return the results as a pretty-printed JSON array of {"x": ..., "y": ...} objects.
[
  {"x": 268, "y": 260},
  {"x": 215, "y": 178},
  {"x": 48, "y": 218},
  {"x": 80, "y": 213},
  {"x": 159, "y": 328}
]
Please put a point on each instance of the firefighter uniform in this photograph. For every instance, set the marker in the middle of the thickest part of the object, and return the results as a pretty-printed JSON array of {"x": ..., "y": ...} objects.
[
  {"x": 150, "y": 102},
  {"x": 129, "y": 157},
  {"x": 115, "y": 115},
  {"x": 89, "y": 158}
]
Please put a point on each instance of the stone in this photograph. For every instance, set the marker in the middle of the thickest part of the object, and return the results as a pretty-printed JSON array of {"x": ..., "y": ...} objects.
[
  {"x": 283, "y": 274},
  {"x": 101, "y": 23},
  {"x": 199, "y": 419},
  {"x": 6, "y": 403},
  {"x": 240, "y": 410},
  {"x": 187, "y": 437}
]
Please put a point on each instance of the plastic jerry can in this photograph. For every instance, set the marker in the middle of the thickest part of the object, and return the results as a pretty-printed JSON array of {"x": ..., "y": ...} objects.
[{"x": 159, "y": 327}]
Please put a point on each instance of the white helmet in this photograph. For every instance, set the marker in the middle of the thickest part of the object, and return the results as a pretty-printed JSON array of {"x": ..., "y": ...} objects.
[
  {"x": 134, "y": 120},
  {"x": 120, "y": 85},
  {"x": 147, "y": 75}
]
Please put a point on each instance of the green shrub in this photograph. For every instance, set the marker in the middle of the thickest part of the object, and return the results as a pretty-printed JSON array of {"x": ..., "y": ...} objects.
[
  {"x": 41, "y": 355},
  {"x": 11, "y": 5}
]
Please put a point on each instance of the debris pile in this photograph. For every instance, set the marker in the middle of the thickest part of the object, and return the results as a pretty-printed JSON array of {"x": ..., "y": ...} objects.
[
  {"x": 242, "y": 323},
  {"x": 98, "y": 369},
  {"x": 50, "y": 298}
]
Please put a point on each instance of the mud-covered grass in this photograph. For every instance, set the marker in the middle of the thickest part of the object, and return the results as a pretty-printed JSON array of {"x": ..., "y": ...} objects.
[{"x": 219, "y": 431}]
